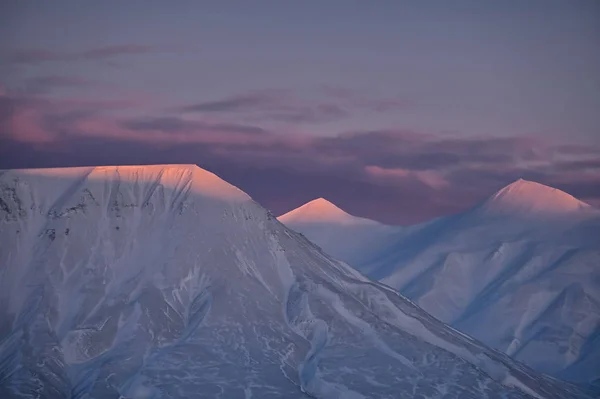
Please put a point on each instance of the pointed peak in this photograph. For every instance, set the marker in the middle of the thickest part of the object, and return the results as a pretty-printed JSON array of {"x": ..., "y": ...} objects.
[
  {"x": 524, "y": 196},
  {"x": 322, "y": 203},
  {"x": 520, "y": 182},
  {"x": 321, "y": 210}
]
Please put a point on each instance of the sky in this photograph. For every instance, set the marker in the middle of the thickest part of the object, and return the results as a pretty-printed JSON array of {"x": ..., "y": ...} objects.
[{"x": 400, "y": 111}]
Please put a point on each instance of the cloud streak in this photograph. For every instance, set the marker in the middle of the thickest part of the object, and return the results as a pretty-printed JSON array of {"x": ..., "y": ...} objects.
[
  {"x": 39, "y": 55},
  {"x": 241, "y": 103},
  {"x": 176, "y": 124},
  {"x": 46, "y": 84},
  {"x": 430, "y": 178},
  {"x": 278, "y": 106},
  {"x": 331, "y": 104},
  {"x": 363, "y": 100}
]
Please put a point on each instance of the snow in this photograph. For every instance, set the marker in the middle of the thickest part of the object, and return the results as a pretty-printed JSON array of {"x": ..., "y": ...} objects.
[
  {"x": 322, "y": 211},
  {"x": 165, "y": 281},
  {"x": 527, "y": 197},
  {"x": 343, "y": 235},
  {"x": 518, "y": 272}
]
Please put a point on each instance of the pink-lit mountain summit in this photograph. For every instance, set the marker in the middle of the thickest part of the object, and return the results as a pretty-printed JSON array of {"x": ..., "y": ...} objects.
[
  {"x": 517, "y": 271},
  {"x": 322, "y": 211},
  {"x": 533, "y": 199}
]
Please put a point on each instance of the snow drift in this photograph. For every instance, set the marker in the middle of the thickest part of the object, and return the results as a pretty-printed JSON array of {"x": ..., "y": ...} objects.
[
  {"x": 518, "y": 271},
  {"x": 167, "y": 282}
]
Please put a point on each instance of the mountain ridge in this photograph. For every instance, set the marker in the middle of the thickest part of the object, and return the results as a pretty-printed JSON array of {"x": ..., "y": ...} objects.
[
  {"x": 129, "y": 282},
  {"x": 515, "y": 252},
  {"x": 519, "y": 198}
]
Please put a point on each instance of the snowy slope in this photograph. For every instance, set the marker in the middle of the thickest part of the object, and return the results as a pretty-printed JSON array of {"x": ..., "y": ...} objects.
[
  {"x": 167, "y": 282},
  {"x": 343, "y": 235},
  {"x": 520, "y": 272},
  {"x": 533, "y": 200},
  {"x": 322, "y": 211}
]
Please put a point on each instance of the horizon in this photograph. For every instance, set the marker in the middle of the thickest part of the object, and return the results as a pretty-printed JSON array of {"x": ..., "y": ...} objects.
[
  {"x": 399, "y": 113},
  {"x": 320, "y": 200}
]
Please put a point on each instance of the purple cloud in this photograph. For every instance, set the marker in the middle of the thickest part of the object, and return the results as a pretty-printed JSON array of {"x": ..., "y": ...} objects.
[
  {"x": 309, "y": 114},
  {"x": 271, "y": 106},
  {"x": 176, "y": 124},
  {"x": 580, "y": 164},
  {"x": 44, "y": 84},
  {"x": 37, "y": 56},
  {"x": 329, "y": 104},
  {"x": 247, "y": 102},
  {"x": 396, "y": 176},
  {"x": 361, "y": 99}
]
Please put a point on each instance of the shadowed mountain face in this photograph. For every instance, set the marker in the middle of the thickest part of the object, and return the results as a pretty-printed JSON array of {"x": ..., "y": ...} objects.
[
  {"x": 518, "y": 271},
  {"x": 167, "y": 282}
]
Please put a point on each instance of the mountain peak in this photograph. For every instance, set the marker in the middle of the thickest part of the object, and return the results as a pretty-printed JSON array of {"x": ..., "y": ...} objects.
[
  {"x": 321, "y": 204},
  {"x": 321, "y": 210},
  {"x": 524, "y": 196}
]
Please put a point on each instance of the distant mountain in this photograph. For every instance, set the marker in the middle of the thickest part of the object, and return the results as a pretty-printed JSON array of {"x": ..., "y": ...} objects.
[
  {"x": 167, "y": 282},
  {"x": 322, "y": 211},
  {"x": 520, "y": 272},
  {"x": 344, "y": 236},
  {"x": 531, "y": 199}
]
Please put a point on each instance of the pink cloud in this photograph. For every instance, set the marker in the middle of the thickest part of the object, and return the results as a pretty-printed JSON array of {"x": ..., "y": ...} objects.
[
  {"x": 42, "y": 120},
  {"x": 24, "y": 125},
  {"x": 391, "y": 162}
]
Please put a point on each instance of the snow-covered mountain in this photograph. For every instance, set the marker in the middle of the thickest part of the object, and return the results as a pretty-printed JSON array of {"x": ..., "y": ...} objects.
[
  {"x": 520, "y": 272},
  {"x": 344, "y": 236},
  {"x": 167, "y": 282},
  {"x": 531, "y": 199}
]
